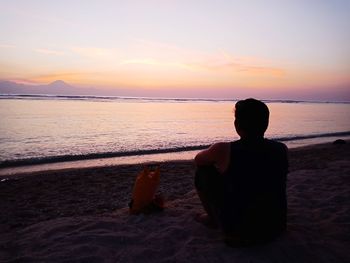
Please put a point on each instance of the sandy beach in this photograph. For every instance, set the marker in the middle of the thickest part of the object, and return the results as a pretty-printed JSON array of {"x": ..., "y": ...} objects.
[{"x": 81, "y": 215}]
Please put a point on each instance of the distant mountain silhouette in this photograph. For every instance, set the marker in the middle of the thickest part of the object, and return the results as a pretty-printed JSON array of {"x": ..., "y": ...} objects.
[
  {"x": 59, "y": 84},
  {"x": 58, "y": 87}
]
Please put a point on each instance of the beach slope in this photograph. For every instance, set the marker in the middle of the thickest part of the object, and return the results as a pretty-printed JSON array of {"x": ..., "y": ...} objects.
[{"x": 82, "y": 216}]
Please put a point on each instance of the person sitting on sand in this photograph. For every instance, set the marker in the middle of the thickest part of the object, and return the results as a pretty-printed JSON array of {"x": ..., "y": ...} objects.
[{"x": 242, "y": 184}]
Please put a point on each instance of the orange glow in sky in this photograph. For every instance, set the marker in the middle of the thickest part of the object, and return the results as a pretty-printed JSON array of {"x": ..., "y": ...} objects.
[{"x": 284, "y": 49}]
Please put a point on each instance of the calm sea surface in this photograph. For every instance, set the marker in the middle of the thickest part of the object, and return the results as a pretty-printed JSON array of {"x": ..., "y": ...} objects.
[{"x": 39, "y": 128}]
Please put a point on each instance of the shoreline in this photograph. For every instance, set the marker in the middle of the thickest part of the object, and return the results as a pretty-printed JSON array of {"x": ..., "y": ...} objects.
[
  {"x": 157, "y": 157},
  {"x": 78, "y": 214}
]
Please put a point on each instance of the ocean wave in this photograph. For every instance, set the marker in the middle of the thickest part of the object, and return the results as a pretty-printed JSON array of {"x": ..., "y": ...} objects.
[
  {"x": 312, "y": 136},
  {"x": 102, "y": 155},
  {"x": 107, "y": 98},
  {"x": 139, "y": 99}
]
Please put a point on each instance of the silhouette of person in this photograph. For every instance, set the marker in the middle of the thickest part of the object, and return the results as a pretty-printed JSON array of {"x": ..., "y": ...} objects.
[{"x": 242, "y": 184}]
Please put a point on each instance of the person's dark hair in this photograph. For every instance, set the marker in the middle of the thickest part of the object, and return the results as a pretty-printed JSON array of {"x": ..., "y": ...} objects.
[{"x": 252, "y": 116}]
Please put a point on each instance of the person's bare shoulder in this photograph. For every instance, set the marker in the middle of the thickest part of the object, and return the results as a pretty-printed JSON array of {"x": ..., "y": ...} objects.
[{"x": 214, "y": 155}]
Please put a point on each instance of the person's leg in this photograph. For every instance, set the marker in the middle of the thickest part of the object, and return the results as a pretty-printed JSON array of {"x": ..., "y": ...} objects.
[{"x": 209, "y": 189}]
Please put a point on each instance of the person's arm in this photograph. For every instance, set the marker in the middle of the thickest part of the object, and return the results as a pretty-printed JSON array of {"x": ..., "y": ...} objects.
[{"x": 217, "y": 155}]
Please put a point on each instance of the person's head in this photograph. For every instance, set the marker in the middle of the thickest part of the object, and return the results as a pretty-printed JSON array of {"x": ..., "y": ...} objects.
[{"x": 251, "y": 118}]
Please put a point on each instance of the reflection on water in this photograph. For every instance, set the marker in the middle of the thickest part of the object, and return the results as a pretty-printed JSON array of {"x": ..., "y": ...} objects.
[{"x": 37, "y": 128}]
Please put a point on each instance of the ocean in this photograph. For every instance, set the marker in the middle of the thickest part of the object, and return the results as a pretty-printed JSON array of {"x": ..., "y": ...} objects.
[{"x": 49, "y": 129}]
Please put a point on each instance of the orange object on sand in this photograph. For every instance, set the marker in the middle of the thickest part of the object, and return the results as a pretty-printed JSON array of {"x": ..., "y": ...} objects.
[{"x": 145, "y": 187}]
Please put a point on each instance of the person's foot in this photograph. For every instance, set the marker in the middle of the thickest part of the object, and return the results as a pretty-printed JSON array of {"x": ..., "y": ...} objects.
[{"x": 206, "y": 220}]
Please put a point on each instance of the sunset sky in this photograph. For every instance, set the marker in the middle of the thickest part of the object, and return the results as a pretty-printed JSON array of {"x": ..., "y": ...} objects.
[{"x": 293, "y": 49}]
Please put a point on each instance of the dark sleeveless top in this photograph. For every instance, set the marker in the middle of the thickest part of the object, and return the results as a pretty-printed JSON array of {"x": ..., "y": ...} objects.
[{"x": 254, "y": 193}]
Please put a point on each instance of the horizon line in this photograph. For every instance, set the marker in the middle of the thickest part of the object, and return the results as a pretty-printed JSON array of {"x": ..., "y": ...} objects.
[{"x": 155, "y": 99}]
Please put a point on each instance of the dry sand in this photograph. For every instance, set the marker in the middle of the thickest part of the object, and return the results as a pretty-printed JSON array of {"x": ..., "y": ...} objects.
[{"x": 81, "y": 216}]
